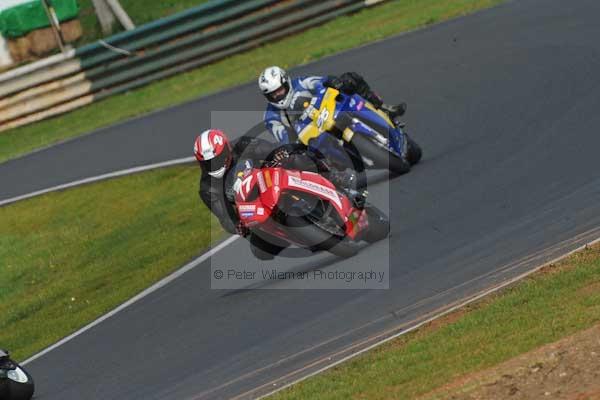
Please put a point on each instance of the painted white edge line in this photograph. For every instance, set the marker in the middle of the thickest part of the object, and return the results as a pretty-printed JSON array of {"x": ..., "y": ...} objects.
[
  {"x": 433, "y": 318},
  {"x": 115, "y": 174},
  {"x": 165, "y": 281},
  {"x": 192, "y": 264}
]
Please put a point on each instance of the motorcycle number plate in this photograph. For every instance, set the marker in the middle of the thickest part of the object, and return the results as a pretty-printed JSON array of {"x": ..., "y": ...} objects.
[{"x": 323, "y": 117}]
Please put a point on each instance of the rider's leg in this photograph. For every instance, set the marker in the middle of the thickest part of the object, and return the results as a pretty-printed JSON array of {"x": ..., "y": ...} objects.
[{"x": 362, "y": 88}]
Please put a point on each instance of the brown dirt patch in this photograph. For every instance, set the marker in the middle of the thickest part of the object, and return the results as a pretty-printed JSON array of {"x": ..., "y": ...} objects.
[
  {"x": 445, "y": 320},
  {"x": 567, "y": 370},
  {"x": 591, "y": 289}
]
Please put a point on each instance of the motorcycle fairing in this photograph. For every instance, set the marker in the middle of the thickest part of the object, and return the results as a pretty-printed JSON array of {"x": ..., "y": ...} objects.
[
  {"x": 321, "y": 113},
  {"x": 255, "y": 207}
]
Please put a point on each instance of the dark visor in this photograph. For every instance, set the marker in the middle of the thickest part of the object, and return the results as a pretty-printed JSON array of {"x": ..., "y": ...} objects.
[
  {"x": 278, "y": 94},
  {"x": 217, "y": 162}
]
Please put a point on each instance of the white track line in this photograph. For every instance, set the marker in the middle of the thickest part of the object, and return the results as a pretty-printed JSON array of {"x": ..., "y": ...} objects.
[
  {"x": 116, "y": 174},
  {"x": 165, "y": 281},
  {"x": 417, "y": 326}
]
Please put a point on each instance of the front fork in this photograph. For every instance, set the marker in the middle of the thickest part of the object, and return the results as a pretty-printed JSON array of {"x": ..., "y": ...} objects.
[
  {"x": 335, "y": 152},
  {"x": 372, "y": 123},
  {"x": 398, "y": 142}
]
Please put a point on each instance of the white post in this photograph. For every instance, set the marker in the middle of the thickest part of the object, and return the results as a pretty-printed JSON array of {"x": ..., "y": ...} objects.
[
  {"x": 105, "y": 16},
  {"x": 121, "y": 14},
  {"x": 55, "y": 25},
  {"x": 5, "y": 58}
]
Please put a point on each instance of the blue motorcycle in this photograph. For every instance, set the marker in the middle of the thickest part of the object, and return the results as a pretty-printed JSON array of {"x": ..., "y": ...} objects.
[{"x": 356, "y": 131}]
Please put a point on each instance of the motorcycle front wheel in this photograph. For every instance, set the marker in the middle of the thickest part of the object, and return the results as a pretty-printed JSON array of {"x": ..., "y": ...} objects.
[
  {"x": 379, "y": 225},
  {"x": 20, "y": 384},
  {"x": 414, "y": 152},
  {"x": 307, "y": 230},
  {"x": 379, "y": 155}
]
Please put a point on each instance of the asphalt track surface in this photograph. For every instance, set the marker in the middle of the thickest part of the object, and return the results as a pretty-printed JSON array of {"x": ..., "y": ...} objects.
[{"x": 505, "y": 103}]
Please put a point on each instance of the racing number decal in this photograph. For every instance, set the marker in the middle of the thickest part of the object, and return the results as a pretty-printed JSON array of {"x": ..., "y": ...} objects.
[
  {"x": 242, "y": 187},
  {"x": 246, "y": 184},
  {"x": 323, "y": 117}
]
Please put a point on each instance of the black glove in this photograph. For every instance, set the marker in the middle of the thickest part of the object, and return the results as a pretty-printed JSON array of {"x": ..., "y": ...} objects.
[
  {"x": 335, "y": 83},
  {"x": 278, "y": 157}
]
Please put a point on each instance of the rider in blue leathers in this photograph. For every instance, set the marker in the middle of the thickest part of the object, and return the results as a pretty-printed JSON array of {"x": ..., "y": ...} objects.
[{"x": 282, "y": 92}]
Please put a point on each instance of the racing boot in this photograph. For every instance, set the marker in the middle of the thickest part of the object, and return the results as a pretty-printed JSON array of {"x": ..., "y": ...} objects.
[
  {"x": 394, "y": 110},
  {"x": 398, "y": 123},
  {"x": 358, "y": 197}
]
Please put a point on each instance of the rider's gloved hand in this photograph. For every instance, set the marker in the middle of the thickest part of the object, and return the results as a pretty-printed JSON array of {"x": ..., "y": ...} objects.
[
  {"x": 335, "y": 83},
  {"x": 280, "y": 156}
]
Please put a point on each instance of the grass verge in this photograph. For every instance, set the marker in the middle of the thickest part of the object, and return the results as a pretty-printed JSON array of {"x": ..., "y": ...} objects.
[
  {"x": 556, "y": 302},
  {"x": 140, "y": 12},
  {"x": 376, "y": 23},
  {"x": 69, "y": 257}
]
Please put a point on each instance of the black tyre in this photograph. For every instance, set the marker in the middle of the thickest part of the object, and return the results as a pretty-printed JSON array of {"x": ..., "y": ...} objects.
[
  {"x": 260, "y": 253},
  {"x": 340, "y": 247},
  {"x": 379, "y": 225},
  {"x": 21, "y": 391},
  {"x": 414, "y": 152},
  {"x": 4, "y": 394},
  {"x": 320, "y": 239},
  {"x": 264, "y": 247},
  {"x": 380, "y": 156}
]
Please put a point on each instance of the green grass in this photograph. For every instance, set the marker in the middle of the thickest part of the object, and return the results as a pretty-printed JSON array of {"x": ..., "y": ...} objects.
[
  {"x": 68, "y": 257},
  {"x": 140, "y": 12},
  {"x": 376, "y": 23},
  {"x": 555, "y": 303}
]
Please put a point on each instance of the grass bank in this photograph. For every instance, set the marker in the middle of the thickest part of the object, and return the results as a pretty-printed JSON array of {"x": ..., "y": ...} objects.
[
  {"x": 140, "y": 12},
  {"x": 556, "y": 302},
  {"x": 376, "y": 23},
  {"x": 69, "y": 257}
]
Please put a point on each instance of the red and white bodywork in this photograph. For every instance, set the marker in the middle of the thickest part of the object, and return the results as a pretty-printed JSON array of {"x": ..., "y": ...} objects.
[{"x": 258, "y": 192}]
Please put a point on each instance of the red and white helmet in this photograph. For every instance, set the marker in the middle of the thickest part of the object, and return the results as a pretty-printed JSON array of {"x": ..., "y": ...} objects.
[{"x": 213, "y": 152}]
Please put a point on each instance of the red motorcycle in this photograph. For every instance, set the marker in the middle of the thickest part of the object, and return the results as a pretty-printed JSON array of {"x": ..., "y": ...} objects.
[{"x": 284, "y": 206}]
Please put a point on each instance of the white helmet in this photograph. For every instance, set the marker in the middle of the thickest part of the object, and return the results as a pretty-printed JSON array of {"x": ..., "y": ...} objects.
[{"x": 275, "y": 84}]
